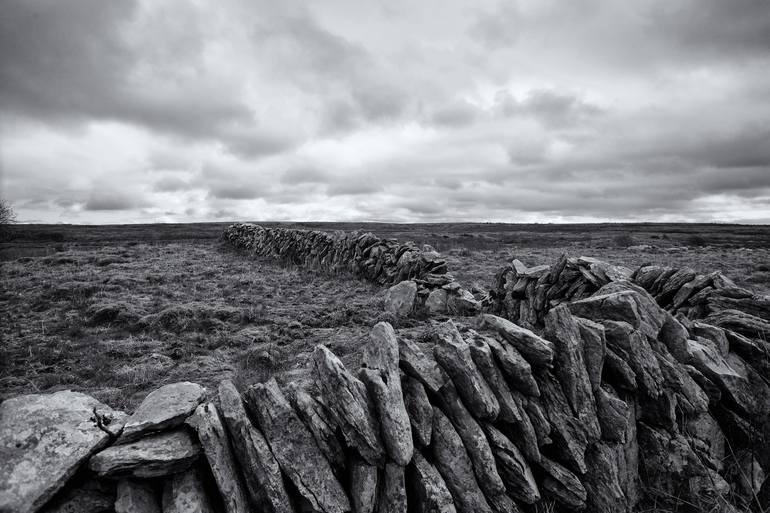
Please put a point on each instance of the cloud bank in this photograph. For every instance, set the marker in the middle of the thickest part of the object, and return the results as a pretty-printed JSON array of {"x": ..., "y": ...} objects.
[{"x": 519, "y": 111}]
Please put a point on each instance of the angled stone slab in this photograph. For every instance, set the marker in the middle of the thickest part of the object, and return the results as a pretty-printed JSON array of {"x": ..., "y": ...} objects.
[
  {"x": 514, "y": 366},
  {"x": 261, "y": 472},
  {"x": 363, "y": 486},
  {"x": 454, "y": 356},
  {"x": 152, "y": 456},
  {"x": 295, "y": 449},
  {"x": 44, "y": 438},
  {"x": 562, "y": 485},
  {"x": 346, "y": 398},
  {"x": 428, "y": 487},
  {"x": 513, "y": 468},
  {"x": 392, "y": 494},
  {"x": 537, "y": 350},
  {"x": 484, "y": 360},
  {"x": 419, "y": 409},
  {"x": 421, "y": 366},
  {"x": 216, "y": 446},
  {"x": 162, "y": 409}
]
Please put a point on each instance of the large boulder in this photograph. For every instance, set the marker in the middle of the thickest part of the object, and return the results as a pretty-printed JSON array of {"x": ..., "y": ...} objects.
[
  {"x": 399, "y": 299},
  {"x": 156, "y": 455},
  {"x": 44, "y": 438},
  {"x": 162, "y": 409}
]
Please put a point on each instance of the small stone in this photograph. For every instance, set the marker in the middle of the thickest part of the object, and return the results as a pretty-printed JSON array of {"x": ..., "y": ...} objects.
[
  {"x": 185, "y": 493},
  {"x": 152, "y": 456},
  {"x": 162, "y": 409}
]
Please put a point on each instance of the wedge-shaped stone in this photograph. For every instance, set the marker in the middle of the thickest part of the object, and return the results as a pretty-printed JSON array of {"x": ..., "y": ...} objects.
[
  {"x": 513, "y": 468},
  {"x": 568, "y": 433},
  {"x": 618, "y": 372},
  {"x": 454, "y": 464},
  {"x": 216, "y": 446},
  {"x": 594, "y": 349},
  {"x": 419, "y": 410},
  {"x": 185, "y": 493},
  {"x": 613, "y": 413},
  {"x": 633, "y": 344},
  {"x": 363, "y": 486},
  {"x": 295, "y": 449},
  {"x": 345, "y": 397},
  {"x": 482, "y": 357},
  {"x": 453, "y": 354},
  {"x": 676, "y": 379},
  {"x": 428, "y": 488},
  {"x": 539, "y": 420},
  {"x": 474, "y": 440},
  {"x": 674, "y": 335},
  {"x": 569, "y": 367},
  {"x": 152, "y": 456},
  {"x": 136, "y": 497},
  {"x": 602, "y": 481},
  {"x": 562, "y": 485},
  {"x": 261, "y": 472},
  {"x": 421, "y": 366},
  {"x": 514, "y": 366},
  {"x": 318, "y": 420},
  {"x": 44, "y": 438},
  {"x": 524, "y": 432},
  {"x": 392, "y": 495},
  {"x": 163, "y": 408},
  {"x": 382, "y": 379},
  {"x": 537, "y": 350}
]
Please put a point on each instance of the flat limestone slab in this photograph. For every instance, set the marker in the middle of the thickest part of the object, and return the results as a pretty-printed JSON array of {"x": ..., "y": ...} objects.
[
  {"x": 163, "y": 408},
  {"x": 43, "y": 440},
  {"x": 151, "y": 456}
]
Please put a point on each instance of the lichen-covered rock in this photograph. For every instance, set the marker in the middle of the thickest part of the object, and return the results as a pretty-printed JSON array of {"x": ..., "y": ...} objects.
[
  {"x": 261, "y": 472},
  {"x": 421, "y": 366},
  {"x": 436, "y": 303},
  {"x": 453, "y": 354},
  {"x": 185, "y": 493},
  {"x": 155, "y": 455},
  {"x": 363, "y": 486},
  {"x": 136, "y": 496},
  {"x": 419, "y": 410},
  {"x": 162, "y": 409},
  {"x": 399, "y": 299},
  {"x": 346, "y": 398},
  {"x": 381, "y": 376},
  {"x": 218, "y": 451},
  {"x": 537, "y": 350},
  {"x": 427, "y": 486},
  {"x": 624, "y": 303},
  {"x": 295, "y": 449},
  {"x": 455, "y": 466},
  {"x": 44, "y": 438}
]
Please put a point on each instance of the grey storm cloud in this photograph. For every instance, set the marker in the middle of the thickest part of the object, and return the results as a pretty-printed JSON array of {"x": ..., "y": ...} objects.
[{"x": 492, "y": 110}]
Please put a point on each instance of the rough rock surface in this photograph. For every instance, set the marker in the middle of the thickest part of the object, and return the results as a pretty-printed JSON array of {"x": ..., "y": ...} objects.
[
  {"x": 514, "y": 366},
  {"x": 163, "y": 408},
  {"x": 514, "y": 469},
  {"x": 155, "y": 455},
  {"x": 421, "y": 366},
  {"x": 454, "y": 356},
  {"x": 295, "y": 449},
  {"x": 419, "y": 410},
  {"x": 392, "y": 495},
  {"x": 436, "y": 303},
  {"x": 428, "y": 487},
  {"x": 261, "y": 472},
  {"x": 484, "y": 360},
  {"x": 185, "y": 493},
  {"x": 363, "y": 486},
  {"x": 453, "y": 463},
  {"x": 43, "y": 440},
  {"x": 537, "y": 351},
  {"x": 136, "y": 497},
  {"x": 216, "y": 446},
  {"x": 346, "y": 398},
  {"x": 562, "y": 485},
  {"x": 399, "y": 299}
]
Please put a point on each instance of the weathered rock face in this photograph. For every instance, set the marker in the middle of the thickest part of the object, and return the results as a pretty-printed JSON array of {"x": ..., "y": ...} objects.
[
  {"x": 363, "y": 486},
  {"x": 136, "y": 497},
  {"x": 392, "y": 494},
  {"x": 482, "y": 357},
  {"x": 295, "y": 449},
  {"x": 428, "y": 487},
  {"x": 346, "y": 398},
  {"x": 537, "y": 351},
  {"x": 44, "y": 438},
  {"x": 514, "y": 469},
  {"x": 261, "y": 472},
  {"x": 185, "y": 493},
  {"x": 399, "y": 299},
  {"x": 216, "y": 446},
  {"x": 152, "y": 456},
  {"x": 164, "y": 408},
  {"x": 436, "y": 302},
  {"x": 419, "y": 410}
]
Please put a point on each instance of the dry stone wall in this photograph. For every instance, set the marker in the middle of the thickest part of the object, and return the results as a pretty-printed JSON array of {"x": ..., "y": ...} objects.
[{"x": 615, "y": 405}]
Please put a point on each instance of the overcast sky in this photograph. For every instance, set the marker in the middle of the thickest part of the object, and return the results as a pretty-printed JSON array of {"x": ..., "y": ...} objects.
[{"x": 391, "y": 110}]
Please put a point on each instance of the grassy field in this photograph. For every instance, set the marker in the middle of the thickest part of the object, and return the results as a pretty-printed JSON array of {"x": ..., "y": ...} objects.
[{"x": 118, "y": 310}]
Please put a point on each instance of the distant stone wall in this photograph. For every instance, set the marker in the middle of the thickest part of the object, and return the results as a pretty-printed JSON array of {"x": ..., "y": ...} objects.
[
  {"x": 618, "y": 405},
  {"x": 382, "y": 261}
]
